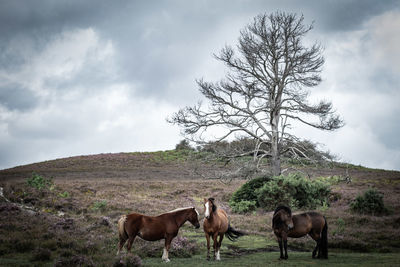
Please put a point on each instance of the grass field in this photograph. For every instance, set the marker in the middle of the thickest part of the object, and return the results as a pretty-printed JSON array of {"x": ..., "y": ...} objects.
[{"x": 72, "y": 220}]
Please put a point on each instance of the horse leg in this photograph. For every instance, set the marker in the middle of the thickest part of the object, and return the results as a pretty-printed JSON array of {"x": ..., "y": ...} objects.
[
  {"x": 315, "y": 249},
  {"x": 284, "y": 241},
  {"x": 215, "y": 244},
  {"x": 121, "y": 244},
  {"x": 280, "y": 242},
  {"x": 208, "y": 246},
  {"x": 319, "y": 249},
  {"x": 168, "y": 241},
  {"x": 130, "y": 242},
  {"x": 285, "y": 246},
  {"x": 317, "y": 239},
  {"x": 221, "y": 237}
]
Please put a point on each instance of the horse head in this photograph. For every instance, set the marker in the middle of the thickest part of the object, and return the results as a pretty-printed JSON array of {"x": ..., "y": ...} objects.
[
  {"x": 282, "y": 215},
  {"x": 209, "y": 207},
  {"x": 194, "y": 217}
]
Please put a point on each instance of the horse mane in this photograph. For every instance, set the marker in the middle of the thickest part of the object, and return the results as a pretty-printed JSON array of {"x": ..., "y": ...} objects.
[
  {"x": 283, "y": 207},
  {"x": 214, "y": 208},
  {"x": 179, "y": 209}
]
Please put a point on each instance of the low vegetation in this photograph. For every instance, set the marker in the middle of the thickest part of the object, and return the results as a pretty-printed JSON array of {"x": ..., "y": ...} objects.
[
  {"x": 293, "y": 190},
  {"x": 370, "y": 202},
  {"x": 66, "y": 212}
]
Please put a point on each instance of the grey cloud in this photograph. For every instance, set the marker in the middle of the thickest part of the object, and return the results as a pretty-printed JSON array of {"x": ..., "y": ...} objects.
[
  {"x": 158, "y": 45},
  {"x": 15, "y": 97}
]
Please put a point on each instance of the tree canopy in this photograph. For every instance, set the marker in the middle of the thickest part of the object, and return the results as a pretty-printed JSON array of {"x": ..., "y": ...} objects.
[{"x": 264, "y": 91}]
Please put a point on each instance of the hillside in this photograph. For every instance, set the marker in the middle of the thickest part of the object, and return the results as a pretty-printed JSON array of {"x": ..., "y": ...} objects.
[
  {"x": 73, "y": 217},
  {"x": 163, "y": 165}
]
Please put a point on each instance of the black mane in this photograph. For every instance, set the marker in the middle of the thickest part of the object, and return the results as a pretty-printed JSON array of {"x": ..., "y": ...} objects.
[
  {"x": 283, "y": 207},
  {"x": 214, "y": 207}
]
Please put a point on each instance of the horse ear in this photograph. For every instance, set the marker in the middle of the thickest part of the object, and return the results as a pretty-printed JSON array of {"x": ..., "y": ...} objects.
[{"x": 205, "y": 200}]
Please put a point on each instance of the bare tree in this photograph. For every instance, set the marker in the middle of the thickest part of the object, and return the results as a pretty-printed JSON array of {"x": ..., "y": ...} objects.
[{"x": 264, "y": 91}]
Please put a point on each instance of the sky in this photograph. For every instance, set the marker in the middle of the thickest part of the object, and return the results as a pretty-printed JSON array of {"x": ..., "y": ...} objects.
[{"x": 87, "y": 77}]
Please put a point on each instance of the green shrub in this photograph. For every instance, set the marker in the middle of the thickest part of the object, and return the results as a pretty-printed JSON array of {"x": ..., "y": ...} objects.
[
  {"x": 268, "y": 192},
  {"x": 243, "y": 206},
  {"x": 65, "y": 194},
  {"x": 39, "y": 182},
  {"x": 293, "y": 190},
  {"x": 247, "y": 192},
  {"x": 99, "y": 205},
  {"x": 371, "y": 202}
]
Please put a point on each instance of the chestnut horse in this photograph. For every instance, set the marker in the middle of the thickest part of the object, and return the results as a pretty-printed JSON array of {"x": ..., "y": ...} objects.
[
  {"x": 312, "y": 223},
  {"x": 216, "y": 224},
  {"x": 164, "y": 226}
]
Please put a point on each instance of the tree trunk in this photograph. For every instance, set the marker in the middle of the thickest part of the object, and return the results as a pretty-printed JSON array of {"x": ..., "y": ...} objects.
[{"x": 275, "y": 160}]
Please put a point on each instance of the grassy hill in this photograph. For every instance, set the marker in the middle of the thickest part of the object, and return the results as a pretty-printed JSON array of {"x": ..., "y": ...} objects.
[{"x": 72, "y": 219}]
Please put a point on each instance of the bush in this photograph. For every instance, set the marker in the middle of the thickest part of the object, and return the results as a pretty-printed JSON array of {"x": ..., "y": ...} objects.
[
  {"x": 39, "y": 182},
  {"x": 293, "y": 190},
  {"x": 243, "y": 206},
  {"x": 182, "y": 247},
  {"x": 247, "y": 192},
  {"x": 371, "y": 202}
]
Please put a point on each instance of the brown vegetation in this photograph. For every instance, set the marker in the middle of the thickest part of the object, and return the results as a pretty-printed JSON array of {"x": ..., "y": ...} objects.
[{"x": 80, "y": 225}]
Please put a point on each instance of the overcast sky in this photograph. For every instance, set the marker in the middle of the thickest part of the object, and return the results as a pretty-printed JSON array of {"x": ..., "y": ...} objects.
[{"x": 87, "y": 77}]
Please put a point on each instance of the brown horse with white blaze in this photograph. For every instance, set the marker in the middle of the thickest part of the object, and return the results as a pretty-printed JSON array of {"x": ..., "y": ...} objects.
[
  {"x": 153, "y": 228},
  {"x": 216, "y": 224},
  {"x": 287, "y": 225}
]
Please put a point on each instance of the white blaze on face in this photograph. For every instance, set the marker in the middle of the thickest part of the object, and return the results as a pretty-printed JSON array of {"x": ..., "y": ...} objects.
[
  {"x": 196, "y": 212},
  {"x": 207, "y": 213}
]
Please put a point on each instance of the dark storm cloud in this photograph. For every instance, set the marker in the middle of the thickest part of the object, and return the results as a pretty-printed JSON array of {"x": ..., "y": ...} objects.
[
  {"x": 158, "y": 41},
  {"x": 345, "y": 15}
]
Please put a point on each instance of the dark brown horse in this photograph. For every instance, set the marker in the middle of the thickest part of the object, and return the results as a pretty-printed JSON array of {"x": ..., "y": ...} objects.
[
  {"x": 312, "y": 223},
  {"x": 164, "y": 226},
  {"x": 216, "y": 224}
]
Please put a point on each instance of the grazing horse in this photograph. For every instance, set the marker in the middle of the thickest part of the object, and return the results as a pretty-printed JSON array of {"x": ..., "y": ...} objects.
[
  {"x": 312, "y": 223},
  {"x": 216, "y": 224},
  {"x": 164, "y": 226}
]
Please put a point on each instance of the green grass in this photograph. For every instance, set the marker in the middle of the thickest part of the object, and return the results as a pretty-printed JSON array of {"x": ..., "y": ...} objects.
[{"x": 295, "y": 259}]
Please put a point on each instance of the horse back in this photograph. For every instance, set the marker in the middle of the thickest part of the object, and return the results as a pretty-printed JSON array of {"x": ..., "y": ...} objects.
[
  {"x": 305, "y": 223},
  {"x": 147, "y": 227}
]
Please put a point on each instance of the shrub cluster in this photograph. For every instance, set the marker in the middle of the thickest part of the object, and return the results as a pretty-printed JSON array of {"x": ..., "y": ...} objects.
[
  {"x": 268, "y": 192},
  {"x": 371, "y": 202},
  {"x": 182, "y": 247},
  {"x": 39, "y": 182},
  {"x": 245, "y": 198}
]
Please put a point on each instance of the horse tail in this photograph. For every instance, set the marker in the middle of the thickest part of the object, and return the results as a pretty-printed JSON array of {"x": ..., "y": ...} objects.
[
  {"x": 233, "y": 234},
  {"x": 123, "y": 235},
  {"x": 324, "y": 240}
]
